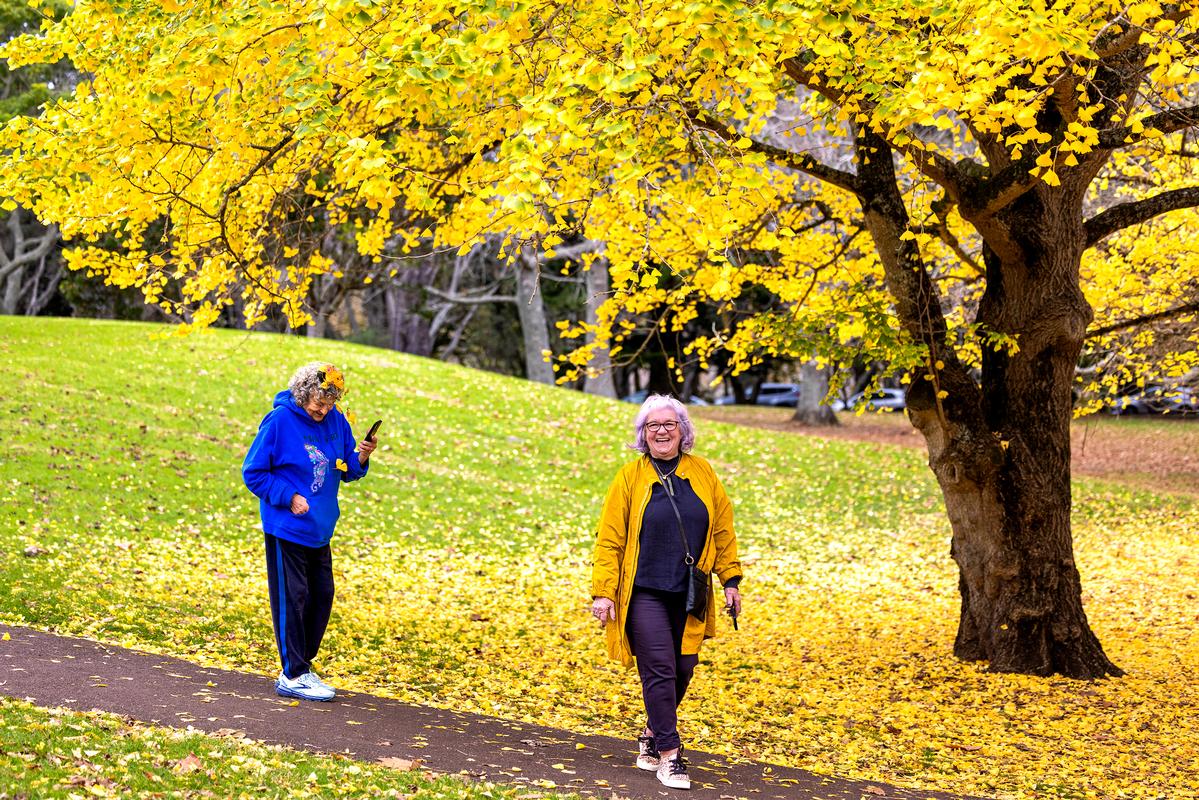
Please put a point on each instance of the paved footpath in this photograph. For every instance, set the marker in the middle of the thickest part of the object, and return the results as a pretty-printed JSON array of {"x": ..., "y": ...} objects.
[{"x": 52, "y": 670}]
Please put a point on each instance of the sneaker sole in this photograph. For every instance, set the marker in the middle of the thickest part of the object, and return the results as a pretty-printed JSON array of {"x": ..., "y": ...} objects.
[
  {"x": 669, "y": 786},
  {"x": 282, "y": 692},
  {"x": 648, "y": 766}
]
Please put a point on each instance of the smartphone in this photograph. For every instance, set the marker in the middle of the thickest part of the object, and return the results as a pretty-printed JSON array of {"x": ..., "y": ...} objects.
[{"x": 371, "y": 433}]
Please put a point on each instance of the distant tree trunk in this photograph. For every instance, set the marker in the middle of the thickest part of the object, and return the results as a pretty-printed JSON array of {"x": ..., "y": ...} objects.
[
  {"x": 29, "y": 268},
  {"x": 620, "y": 379},
  {"x": 740, "y": 396},
  {"x": 325, "y": 298},
  {"x": 813, "y": 386},
  {"x": 1001, "y": 451},
  {"x": 661, "y": 381},
  {"x": 12, "y": 291},
  {"x": 596, "y": 284},
  {"x": 690, "y": 383},
  {"x": 531, "y": 308},
  {"x": 317, "y": 328},
  {"x": 408, "y": 320}
]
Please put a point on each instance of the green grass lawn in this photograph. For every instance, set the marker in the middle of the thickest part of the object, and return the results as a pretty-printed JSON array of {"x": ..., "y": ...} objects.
[
  {"x": 55, "y": 753},
  {"x": 463, "y": 572}
]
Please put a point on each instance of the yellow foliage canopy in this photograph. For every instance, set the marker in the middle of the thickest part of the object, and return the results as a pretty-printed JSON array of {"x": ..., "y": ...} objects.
[{"x": 706, "y": 144}]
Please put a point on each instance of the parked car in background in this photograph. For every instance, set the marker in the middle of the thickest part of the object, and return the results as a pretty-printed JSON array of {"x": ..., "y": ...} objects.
[
  {"x": 769, "y": 394},
  {"x": 1158, "y": 400},
  {"x": 778, "y": 394},
  {"x": 639, "y": 397},
  {"x": 878, "y": 400}
]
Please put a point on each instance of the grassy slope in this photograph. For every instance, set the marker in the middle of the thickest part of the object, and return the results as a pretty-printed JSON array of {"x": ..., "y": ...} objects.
[{"x": 462, "y": 563}]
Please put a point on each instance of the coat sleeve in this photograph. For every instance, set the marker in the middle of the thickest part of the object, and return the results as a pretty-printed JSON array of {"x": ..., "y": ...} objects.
[
  {"x": 610, "y": 540},
  {"x": 256, "y": 470},
  {"x": 349, "y": 448},
  {"x": 727, "y": 565}
]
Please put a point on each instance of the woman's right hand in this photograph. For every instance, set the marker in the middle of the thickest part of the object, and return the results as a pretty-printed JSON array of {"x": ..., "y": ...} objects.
[
  {"x": 299, "y": 505},
  {"x": 604, "y": 610}
]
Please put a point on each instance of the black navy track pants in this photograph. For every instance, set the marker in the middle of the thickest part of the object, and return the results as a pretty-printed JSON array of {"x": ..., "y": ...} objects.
[{"x": 301, "y": 587}]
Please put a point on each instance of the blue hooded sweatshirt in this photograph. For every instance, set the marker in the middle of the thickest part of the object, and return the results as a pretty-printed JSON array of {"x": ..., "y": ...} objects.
[{"x": 293, "y": 454}]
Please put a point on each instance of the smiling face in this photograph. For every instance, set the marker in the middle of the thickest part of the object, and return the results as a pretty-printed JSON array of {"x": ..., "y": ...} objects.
[
  {"x": 318, "y": 408},
  {"x": 663, "y": 433}
]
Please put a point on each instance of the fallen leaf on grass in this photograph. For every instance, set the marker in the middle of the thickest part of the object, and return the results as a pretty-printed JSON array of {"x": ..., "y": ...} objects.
[
  {"x": 189, "y": 764},
  {"x": 402, "y": 764}
]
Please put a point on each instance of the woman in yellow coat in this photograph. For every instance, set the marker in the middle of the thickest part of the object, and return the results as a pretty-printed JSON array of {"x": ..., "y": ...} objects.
[{"x": 662, "y": 509}]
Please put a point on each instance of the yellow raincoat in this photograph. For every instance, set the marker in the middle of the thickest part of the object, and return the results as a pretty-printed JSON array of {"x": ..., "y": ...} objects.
[{"x": 619, "y": 537}]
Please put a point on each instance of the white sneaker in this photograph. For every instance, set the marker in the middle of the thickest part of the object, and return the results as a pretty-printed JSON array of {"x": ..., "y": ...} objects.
[
  {"x": 316, "y": 681},
  {"x": 303, "y": 687},
  {"x": 647, "y": 753},
  {"x": 673, "y": 772}
]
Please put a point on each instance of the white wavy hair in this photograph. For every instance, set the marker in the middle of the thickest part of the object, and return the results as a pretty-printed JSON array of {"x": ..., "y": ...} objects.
[
  {"x": 652, "y": 404},
  {"x": 306, "y": 384}
]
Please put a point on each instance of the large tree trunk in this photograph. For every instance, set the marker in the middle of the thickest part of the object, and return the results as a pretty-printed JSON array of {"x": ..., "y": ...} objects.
[
  {"x": 1001, "y": 452},
  {"x": 813, "y": 387}
]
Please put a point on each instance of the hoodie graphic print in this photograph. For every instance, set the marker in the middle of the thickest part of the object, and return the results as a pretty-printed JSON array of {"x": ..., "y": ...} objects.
[{"x": 320, "y": 466}]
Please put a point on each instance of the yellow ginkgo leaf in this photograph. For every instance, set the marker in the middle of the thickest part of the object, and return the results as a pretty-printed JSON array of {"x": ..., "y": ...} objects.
[{"x": 341, "y": 465}]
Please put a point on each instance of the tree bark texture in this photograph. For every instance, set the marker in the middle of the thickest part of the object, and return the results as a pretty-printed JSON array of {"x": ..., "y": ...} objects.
[
  {"x": 29, "y": 264},
  {"x": 1000, "y": 450},
  {"x": 813, "y": 387},
  {"x": 409, "y": 324},
  {"x": 531, "y": 308},
  {"x": 597, "y": 288}
]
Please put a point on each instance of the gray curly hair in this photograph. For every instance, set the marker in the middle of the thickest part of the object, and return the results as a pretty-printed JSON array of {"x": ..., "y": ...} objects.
[{"x": 317, "y": 379}]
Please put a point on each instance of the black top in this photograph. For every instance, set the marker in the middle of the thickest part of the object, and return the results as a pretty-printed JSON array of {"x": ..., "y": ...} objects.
[{"x": 660, "y": 563}]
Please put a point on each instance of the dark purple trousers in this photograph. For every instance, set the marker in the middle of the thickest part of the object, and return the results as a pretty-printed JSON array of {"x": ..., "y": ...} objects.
[{"x": 655, "y": 628}]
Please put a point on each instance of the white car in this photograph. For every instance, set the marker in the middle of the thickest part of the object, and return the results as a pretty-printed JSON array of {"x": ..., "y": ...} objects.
[
  {"x": 1158, "y": 400},
  {"x": 639, "y": 397},
  {"x": 878, "y": 400}
]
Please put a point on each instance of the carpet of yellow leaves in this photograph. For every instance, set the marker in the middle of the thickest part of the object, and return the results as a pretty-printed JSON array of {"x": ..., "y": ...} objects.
[{"x": 839, "y": 668}]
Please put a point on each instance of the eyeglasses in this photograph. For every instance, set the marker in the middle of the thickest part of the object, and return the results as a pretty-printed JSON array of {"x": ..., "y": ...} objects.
[{"x": 654, "y": 427}]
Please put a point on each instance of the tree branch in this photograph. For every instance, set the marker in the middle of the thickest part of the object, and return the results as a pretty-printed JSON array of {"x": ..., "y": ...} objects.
[
  {"x": 987, "y": 197},
  {"x": 1189, "y": 308},
  {"x": 1126, "y": 215},
  {"x": 935, "y": 166},
  {"x": 799, "y": 73},
  {"x": 1172, "y": 121},
  {"x": 800, "y": 161},
  {"x": 470, "y": 299}
]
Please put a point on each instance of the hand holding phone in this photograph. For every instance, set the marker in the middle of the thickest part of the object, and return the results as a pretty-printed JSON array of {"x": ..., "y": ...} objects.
[{"x": 374, "y": 429}]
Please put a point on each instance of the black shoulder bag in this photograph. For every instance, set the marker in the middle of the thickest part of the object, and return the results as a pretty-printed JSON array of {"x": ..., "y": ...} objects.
[{"x": 698, "y": 582}]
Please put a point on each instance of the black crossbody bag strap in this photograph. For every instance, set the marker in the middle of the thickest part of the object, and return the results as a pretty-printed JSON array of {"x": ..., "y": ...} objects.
[
  {"x": 688, "y": 560},
  {"x": 697, "y": 597}
]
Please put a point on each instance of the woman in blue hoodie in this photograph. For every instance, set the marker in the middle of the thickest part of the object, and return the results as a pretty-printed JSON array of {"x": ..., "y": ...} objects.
[{"x": 303, "y": 451}]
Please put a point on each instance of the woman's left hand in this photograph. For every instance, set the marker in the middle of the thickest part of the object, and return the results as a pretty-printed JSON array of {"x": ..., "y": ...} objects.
[
  {"x": 732, "y": 598},
  {"x": 365, "y": 448}
]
